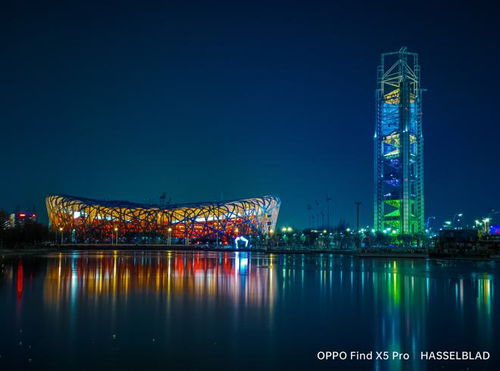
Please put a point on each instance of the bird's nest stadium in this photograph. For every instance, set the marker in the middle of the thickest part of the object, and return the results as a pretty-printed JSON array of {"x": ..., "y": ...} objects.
[{"x": 89, "y": 220}]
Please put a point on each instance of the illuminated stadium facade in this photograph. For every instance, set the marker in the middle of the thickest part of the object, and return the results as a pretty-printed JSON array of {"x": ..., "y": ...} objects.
[
  {"x": 89, "y": 220},
  {"x": 399, "y": 145}
]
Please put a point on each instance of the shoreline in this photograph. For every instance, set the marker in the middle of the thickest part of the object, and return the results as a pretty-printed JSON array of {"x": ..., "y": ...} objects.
[{"x": 196, "y": 248}]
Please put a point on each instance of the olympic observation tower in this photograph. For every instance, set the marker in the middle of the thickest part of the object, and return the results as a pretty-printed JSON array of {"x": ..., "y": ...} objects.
[{"x": 399, "y": 145}]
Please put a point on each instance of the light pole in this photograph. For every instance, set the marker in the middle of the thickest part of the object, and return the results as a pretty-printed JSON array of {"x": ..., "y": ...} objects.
[
  {"x": 427, "y": 223},
  {"x": 61, "y": 231},
  {"x": 270, "y": 234},
  {"x": 169, "y": 236},
  {"x": 357, "y": 203},
  {"x": 116, "y": 237},
  {"x": 486, "y": 222},
  {"x": 357, "y": 237},
  {"x": 459, "y": 215},
  {"x": 328, "y": 199}
]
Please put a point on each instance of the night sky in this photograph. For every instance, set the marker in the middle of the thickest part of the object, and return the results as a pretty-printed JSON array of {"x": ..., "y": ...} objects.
[{"x": 204, "y": 100}]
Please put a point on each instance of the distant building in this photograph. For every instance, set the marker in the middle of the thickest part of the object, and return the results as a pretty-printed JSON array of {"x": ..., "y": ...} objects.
[
  {"x": 495, "y": 229},
  {"x": 457, "y": 241},
  {"x": 19, "y": 218},
  {"x": 466, "y": 242}
]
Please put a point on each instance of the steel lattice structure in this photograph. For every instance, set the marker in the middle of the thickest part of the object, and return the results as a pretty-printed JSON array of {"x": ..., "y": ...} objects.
[
  {"x": 89, "y": 219},
  {"x": 399, "y": 144}
]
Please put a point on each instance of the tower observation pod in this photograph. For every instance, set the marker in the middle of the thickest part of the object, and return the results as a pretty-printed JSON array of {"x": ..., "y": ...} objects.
[{"x": 399, "y": 145}]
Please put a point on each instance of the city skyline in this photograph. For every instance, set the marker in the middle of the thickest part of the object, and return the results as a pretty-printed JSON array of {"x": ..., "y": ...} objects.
[{"x": 224, "y": 102}]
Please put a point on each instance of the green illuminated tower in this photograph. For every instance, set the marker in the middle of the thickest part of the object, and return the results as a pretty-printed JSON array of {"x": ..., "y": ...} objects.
[{"x": 399, "y": 144}]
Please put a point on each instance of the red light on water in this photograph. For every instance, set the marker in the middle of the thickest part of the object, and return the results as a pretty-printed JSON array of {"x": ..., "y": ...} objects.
[{"x": 20, "y": 281}]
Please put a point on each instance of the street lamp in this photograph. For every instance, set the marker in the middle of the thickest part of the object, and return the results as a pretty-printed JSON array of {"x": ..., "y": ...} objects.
[
  {"x": 268, "y": 236},
  {"x": 169, "y": 238},
  {"x": 459, "y": 215},
  {"x": 116, "y": 238},
  {"x": 427, "y": 223},
  {"x": 486, "y": 222},
  {"x": 61, "y": 230}
]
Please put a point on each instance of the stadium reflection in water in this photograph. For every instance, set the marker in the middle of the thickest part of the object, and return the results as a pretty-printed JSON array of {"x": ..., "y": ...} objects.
[
  {"x": 111, "y": 275},
  {"x": 280, "y": 309}
]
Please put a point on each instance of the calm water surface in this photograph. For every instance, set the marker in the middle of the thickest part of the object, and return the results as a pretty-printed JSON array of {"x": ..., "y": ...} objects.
[{"x": 164, "y": 310}]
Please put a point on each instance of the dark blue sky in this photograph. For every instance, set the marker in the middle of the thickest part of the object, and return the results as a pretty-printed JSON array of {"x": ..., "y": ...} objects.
[{"x": 123, "y": 101}]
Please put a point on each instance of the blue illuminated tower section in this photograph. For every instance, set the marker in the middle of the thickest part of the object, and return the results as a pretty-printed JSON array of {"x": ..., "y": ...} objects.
[{"x": 399, "y": 145}]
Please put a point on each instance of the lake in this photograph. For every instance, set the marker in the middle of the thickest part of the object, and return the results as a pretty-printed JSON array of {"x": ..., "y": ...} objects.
[{"x": 141, "y": 310}]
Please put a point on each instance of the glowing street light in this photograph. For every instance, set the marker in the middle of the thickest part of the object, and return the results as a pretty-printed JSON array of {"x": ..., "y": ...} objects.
[
  {"x": 486, "y": 222},
  {"x": 456, "y": 217},
  {"x": 169, "y": 238}
]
